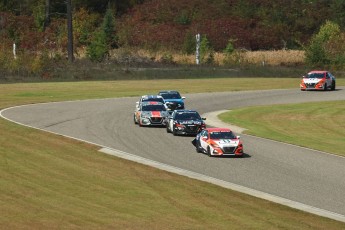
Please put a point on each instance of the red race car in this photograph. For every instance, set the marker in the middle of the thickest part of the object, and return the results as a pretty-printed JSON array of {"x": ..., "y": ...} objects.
[
  {"x": 318, "y": 80},
  {"x": 218, "y": 142}
]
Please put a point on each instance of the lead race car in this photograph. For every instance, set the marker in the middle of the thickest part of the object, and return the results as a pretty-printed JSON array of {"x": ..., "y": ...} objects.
[
  {"x": 150, "y": 113},
  {"x": 218, "y": 142},
  {"x": 318, "y": 80},
  {"x": 172, "y": 99}
]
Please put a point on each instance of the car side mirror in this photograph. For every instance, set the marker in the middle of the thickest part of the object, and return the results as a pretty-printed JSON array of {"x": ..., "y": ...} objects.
[
  {"x": 238, "y": 137},
  {"x": 183, "y": 98},
  {"x": 203, "y": 118}
]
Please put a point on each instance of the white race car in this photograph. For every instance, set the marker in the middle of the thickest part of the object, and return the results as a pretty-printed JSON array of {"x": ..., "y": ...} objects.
[
  {"x": 150, "y": 113},
  {"x": 318, "y": 80},
  {"x": 218, "y": 142}
]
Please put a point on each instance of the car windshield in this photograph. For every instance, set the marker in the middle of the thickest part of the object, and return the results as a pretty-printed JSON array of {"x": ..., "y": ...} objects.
[
  {"x": 187, "y": 116},
  {"x": 222, "y": 135},
  {"x": 153, "y": 107},
  {"x": 170, "y": 95},
  {"x": 159, "y": 99},
  {"x": 315, "y": 75}
]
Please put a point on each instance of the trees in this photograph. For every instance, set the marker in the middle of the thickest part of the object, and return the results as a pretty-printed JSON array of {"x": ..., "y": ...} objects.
[
  {"x": 104, "y": 38},
  {"x": 70, "y": 31},
  {"x": 327, "y": 46}
]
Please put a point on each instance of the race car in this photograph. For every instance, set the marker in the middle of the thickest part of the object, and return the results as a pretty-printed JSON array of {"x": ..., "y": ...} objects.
[
  {"x": 172, "y": 99},
  {"x": 218, "y": 142},
  {"x": 185, "y": 122},
  {"x": 150, "y": 113},
  {"x": 149, "y": 98},
  {"x": 318, "y": 80}
]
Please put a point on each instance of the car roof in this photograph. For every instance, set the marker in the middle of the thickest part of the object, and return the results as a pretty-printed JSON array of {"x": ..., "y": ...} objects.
[
  {"x": 151, "y": 103},
  {"x": 318, "y": 71},
  {"x": 185, "y": 111},
  {"x": 151, "y": 96},
  {"x": 218, "y": 130},
  {"x": 168, "y": 91}
]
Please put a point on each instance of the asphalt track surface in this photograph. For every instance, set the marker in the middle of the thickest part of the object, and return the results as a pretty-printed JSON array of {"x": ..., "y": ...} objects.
[{"x": 303, "y": 175}]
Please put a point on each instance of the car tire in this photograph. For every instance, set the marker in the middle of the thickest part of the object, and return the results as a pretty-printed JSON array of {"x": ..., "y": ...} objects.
[
  {"x": 135, "y": 121},
  {"x": 208, "y": 151},
  {"x": 325, "y": 87},
  {"x": 333, "y": 85},
  {"x": 168, "y": 130},
  {"x": 197, "y": 148},
  {"x": 174, "y": 132}
]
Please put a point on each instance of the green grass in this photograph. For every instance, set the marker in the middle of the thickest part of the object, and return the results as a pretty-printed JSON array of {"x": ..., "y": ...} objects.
[
  {"x": 24, "y": 93},
  {"x": 52, "y": 182},
  {"x": 316, "y": 125}
]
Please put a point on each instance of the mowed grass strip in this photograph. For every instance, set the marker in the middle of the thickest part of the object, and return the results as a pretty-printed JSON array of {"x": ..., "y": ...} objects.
[
  {"x": 52, "y": 182},
  {"x": 25, "y": 93},
  {"x": 318, "y": 125}
]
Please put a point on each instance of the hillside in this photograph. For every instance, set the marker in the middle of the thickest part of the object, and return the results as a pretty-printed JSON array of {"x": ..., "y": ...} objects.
[
  {"x": 251, "y": 24},
  {"x": 160, "y": 26}
]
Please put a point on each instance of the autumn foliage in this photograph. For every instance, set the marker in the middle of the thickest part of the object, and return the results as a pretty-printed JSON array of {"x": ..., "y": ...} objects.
[{"x": 165, "y": 26}]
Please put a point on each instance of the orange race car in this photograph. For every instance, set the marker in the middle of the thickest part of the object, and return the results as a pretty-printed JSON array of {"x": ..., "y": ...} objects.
[
  {"x": 318, "y": 80},
  {"x": 218, "y": 142}
]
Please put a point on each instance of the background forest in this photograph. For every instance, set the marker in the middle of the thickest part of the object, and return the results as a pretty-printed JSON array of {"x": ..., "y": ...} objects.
[{"x": 149, "y": 32}]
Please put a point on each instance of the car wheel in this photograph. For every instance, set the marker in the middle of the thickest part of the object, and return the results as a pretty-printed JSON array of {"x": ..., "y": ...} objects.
[
  {"x": 174, "y": 132},
  {"x": 168, "y": 130},
  {"x": 135, "y": 121},
  {"x": 197, "y": 148},
  {"x": 325, "y": 87},
  {"x": 209, "y": 151},
  {"x": 333, "y": 85}
]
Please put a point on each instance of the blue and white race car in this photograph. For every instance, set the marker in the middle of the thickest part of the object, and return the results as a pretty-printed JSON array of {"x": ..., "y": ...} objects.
[{"x": 172, "y": 99}]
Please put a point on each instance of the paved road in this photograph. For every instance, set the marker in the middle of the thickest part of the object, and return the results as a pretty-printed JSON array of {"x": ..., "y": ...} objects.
[{"x": 302, "y": 175}]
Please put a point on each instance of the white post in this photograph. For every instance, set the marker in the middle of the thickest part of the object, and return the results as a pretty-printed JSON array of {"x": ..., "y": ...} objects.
[
  {"x": 197, "y": 54},
  {"x": 14, "y": 51}
]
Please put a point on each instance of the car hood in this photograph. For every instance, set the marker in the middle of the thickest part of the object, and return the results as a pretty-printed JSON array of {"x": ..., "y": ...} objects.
[
  {"x": 227, "y": 142},
  {"x": 174, "y": 100},
  {"x": 154, "y": 113},
  {"x": 190, "y": 122},
  {"x": 311, "y": 80}
]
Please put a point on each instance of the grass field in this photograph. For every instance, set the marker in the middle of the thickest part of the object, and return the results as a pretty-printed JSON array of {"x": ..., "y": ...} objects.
[
  {"x": 319, "y": 126},
  {"x": 51, "y": 182}
]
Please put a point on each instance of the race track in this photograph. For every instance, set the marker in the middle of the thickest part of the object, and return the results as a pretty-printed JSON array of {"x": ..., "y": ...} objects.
[{"x": 298, "y": 174}]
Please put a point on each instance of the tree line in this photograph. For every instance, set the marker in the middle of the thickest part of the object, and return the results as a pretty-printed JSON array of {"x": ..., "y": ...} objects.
[{"x": 226, "y": 25}]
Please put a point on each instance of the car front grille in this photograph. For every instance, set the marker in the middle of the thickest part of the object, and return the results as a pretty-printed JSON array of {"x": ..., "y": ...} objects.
[
  {"x": 156, "y": 120},
  {"x": 229, "y": 150},
  {"x": 310, "y": 85},
  {"x": 191, "y": 129}
]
